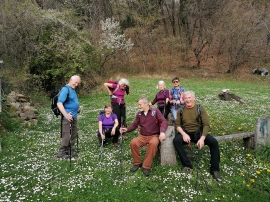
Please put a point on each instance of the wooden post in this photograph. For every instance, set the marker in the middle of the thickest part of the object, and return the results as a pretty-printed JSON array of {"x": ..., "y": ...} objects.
[
  {"x": 262, "y": 133},
  {"x": 167, "y": 151}
]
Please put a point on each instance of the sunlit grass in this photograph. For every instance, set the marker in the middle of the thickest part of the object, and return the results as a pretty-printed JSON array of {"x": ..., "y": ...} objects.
[{"x": 31, "y": 172}]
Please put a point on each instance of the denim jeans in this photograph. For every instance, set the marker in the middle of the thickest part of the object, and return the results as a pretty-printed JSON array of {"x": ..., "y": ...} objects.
[{"x": 174, "y": 111}]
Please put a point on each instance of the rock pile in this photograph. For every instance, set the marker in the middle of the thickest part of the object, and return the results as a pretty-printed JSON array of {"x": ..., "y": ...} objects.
[{"x": 20, "y": 107}]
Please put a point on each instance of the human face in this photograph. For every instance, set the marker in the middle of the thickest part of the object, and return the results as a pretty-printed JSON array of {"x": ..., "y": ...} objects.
[
  {"x": 143, "y": 106},
  {"x": 189, "y": 100},
  {"x": 74, "y": 82},
  {"x": 108, "y": 110},
  {"x": 176, "y": 83},
  {"x": 123, "y": 86},
  {"x": 161, "y": 86}
]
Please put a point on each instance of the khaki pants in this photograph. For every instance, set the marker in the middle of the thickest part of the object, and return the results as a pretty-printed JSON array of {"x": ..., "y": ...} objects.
[
  {"x": 152, "y": 147},
  {"x": 69, "y": 134}
]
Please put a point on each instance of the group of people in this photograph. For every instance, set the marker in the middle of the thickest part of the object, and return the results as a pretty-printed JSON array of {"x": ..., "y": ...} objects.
[{"x": 151, "y": 123}]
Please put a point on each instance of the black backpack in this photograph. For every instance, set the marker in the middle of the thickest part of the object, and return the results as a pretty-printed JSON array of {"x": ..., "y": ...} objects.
[{"x": 54, "y": 99}]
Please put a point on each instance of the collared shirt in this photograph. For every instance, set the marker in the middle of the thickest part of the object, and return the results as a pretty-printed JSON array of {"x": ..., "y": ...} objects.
[{"x": 150, "y": 124}]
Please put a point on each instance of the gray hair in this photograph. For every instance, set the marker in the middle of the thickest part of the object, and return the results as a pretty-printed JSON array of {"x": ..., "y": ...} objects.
[
  {"x": 161, "y": 83},
  {"x": 144, "y": 99},
  {"x": 123, "y": 81},
  {"x": 189, "y": 92}
]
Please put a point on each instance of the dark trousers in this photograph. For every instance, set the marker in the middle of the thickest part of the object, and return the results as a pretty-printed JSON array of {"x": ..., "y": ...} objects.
[
  {"x": 165, "y": 110},
  {"x": 107, "y": 133},
  {"x": 210, "y": 141},
  {"x": 120, "y": 111}
]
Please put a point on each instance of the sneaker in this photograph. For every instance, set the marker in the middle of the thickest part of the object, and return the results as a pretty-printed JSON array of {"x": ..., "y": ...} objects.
[
  {"x": 135, "y": 167},
  {"x": 216, "y": 175},
  {"x": 146, "y": 172},
  {"x": 187, "y": 170}
]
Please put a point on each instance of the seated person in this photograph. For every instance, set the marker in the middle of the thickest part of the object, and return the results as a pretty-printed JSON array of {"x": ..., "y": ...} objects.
[
  {"x": 152, "y": 131},
  {"x": 107, "y": 124},
  {"x": 193, "y": 126},
  {"x": 162, "y": 99}
]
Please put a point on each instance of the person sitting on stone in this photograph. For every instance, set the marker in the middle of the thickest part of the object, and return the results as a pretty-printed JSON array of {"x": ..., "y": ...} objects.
[
  {"x": 152, "y": 127},
  {"x": 194, "y": 127}
]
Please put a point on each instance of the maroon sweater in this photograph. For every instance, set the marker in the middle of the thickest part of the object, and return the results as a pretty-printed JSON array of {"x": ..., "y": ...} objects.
[
  {"x": 150, "y": 124},
  {"x": 160, "y": 98}
]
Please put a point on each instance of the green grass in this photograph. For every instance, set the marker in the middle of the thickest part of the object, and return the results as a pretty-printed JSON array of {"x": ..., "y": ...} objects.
[{"x": 31, "y": 172}]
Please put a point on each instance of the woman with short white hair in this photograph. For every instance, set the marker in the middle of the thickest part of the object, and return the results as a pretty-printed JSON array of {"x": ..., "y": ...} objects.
[{"x": 162, "y": 99}]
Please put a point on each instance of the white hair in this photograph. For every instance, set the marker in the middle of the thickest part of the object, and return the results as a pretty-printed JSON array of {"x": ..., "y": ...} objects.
[
  {"x": 188, "y": 92},
  {"x": 161, "y": 83},
  {"x": 123, "y": 81}
]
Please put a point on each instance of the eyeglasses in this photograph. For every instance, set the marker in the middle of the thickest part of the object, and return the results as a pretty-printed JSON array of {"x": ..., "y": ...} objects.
[{"x": 175, "y": 81}]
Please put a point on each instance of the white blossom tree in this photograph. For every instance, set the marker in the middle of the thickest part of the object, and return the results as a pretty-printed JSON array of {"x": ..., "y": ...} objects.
[{"x": 113, "y": 41}]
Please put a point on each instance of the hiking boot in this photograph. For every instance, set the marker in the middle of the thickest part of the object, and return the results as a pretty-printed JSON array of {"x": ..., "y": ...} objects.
[
  {"x": 135, "y": 167},
  {"x": 187, "y": 170},
  {"x": 216, "y": 175},
  {"x": 146, "y": 172},
  {"x": 115, "y": 144},
  {"x": 74, "y": 155},
  {"x": 65, "y": 156}
]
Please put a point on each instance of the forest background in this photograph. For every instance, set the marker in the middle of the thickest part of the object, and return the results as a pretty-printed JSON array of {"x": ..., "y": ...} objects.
[{"x": 44, "y": 42}]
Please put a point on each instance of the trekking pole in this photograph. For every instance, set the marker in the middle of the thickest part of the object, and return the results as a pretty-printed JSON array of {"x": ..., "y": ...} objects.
[
  {"x": 197, "y": 176},
  {"x": 100, "y": 151},
  {"x": 164, "y": 109},
  {"x": 70, "y": 130},
  {"x": 77, "y": 143},
  {"x": 119, "y": 156}
]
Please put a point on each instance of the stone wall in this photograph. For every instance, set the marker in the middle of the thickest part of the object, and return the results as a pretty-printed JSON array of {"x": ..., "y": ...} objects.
[{"x": 20, "y": 108}]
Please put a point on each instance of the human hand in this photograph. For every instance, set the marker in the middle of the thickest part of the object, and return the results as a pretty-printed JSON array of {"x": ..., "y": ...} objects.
[
  {"x": 69, "y": 117},
  {"x": 102, "y": 137},
  {"x": 123, "y": 130},
  {"x": 186, "y": 138},
  {"x": 113, "y": 131},
  {"x": 200, "y": 142},
  {"x": 162, "y": 137}
]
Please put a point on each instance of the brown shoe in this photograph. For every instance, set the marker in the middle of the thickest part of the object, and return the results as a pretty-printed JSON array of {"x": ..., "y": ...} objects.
[
  {"x": 216, "y": 176},
  {"x": 135, "y": 167},
  {"x": 187, "y": 170},
  {"x": 146, "y": 172},
  {"x": 115, "y": 144}
]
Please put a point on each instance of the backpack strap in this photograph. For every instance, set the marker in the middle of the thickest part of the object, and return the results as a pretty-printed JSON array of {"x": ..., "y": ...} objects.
[{"x": 67, "y": 94}]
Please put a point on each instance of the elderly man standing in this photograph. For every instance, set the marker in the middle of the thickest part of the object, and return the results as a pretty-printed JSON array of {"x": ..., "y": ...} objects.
[
  {"x": 68, "y": 105},
  {"x": 152, "y": 128},
  {"x": 194, "y": 127}
]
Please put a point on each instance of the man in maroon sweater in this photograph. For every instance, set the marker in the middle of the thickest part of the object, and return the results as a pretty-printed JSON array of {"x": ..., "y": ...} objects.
[{"x": 152, "y": 127}]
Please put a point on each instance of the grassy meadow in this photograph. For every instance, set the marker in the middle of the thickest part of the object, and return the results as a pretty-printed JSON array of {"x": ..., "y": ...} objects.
[{"x": 30, "y": 170}]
